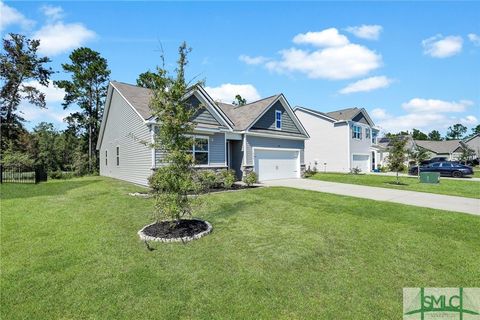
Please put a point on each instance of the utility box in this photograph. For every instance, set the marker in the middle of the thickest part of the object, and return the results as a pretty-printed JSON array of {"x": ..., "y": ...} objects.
[{"x": 429, "y": 177}]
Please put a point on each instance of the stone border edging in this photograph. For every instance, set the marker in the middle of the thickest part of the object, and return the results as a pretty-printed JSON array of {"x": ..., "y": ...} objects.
[{"x": 145, "y": 237}]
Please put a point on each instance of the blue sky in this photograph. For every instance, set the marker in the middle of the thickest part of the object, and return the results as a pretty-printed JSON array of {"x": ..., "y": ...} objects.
[{"x": 409, "y": 64}]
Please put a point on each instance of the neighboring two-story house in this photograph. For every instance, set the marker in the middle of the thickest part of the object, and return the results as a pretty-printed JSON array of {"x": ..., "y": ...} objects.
[
  {"x": 339, "y": 140},
  {"x": 264, "y": 136}
]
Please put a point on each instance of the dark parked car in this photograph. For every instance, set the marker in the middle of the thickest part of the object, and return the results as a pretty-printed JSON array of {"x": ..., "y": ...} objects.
[{"x": 447, "y": 168}]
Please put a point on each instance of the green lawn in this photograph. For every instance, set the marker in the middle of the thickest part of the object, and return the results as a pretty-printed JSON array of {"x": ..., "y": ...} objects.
[
  {"x": 69, "y": 250},
  {"x": 469, "y": 189}
]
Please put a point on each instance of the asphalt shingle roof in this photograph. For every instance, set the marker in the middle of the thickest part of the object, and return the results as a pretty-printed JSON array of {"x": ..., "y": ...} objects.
[
  {"x": 138, "y": 97},
  {"x": 344, "y": 114},
  {"x": 443, "y": 147}
]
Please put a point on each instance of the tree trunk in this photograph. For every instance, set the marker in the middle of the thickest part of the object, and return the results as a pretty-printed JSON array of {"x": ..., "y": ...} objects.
[{"x": 90, "y": 147}]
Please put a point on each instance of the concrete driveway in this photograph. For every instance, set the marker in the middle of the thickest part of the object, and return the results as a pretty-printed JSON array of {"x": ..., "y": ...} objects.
[{"x": 419, "y": 199}]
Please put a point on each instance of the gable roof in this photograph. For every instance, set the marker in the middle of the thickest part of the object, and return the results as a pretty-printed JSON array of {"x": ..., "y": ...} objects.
[
  {"x": 138, "y": 97},
  {"x": 316, "y": 113},
  {"x": 243, "y": 116},
  {"x": 347, "y": 114},
  {"x": 439, "y": 147}
]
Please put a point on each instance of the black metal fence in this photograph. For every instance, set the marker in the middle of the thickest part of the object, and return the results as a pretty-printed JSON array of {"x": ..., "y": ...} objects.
[{"x": 22, "y": 174}]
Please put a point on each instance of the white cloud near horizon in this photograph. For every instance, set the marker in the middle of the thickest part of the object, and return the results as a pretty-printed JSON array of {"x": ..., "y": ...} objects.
[
  {"x": 333, "y": 58},
  {"x": 474, "y": 38},
  {"x": 425, "y": 115},
  {"x": 11, "y": 16},
  {"x": 435, "y": 105},
  {"x": 226, "y": 92},
  {"x": 442, "y": 47},
  {"x": 369, "y": 32},
  {"x": 366, "y": 85},
  {"x": 326, "y": 38}
]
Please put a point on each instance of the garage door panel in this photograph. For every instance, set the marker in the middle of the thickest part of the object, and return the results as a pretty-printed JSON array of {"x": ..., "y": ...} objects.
[
  {"x": 276, "y": 164},
  {"x": 361, "y": 161}
]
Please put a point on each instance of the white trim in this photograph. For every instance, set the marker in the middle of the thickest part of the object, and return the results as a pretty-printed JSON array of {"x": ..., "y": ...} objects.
[
  {"x": 217, "y": 109},
  {"x": 277, "y": 112},
  {"x": 244, "y": 149},
  {"x": 225, "y": 149},
  {"x": 195, "y": 136},
  {"x": 233, "y": 136},
  {"x": 273, "y": 135},
  {"x": 299, "y": 167},
  {"x": 314, "y": 113},
  {"x": 106, "y": 110}
]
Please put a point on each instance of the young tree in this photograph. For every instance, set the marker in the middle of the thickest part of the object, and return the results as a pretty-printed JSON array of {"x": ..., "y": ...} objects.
[
  {"x": 434, "y": 135},
  {"x": 418, "y": 155},
  {"x": 467, "y": 154},
  {"x": 419, "y": 135},
  {"x": 151, "y": 80},
  {"x": 175, "y": 178},
  {"x": 457, "y": 131},
  {"x": 396, "y": 154},
  {"x": 88, "y": 89},
  {"x": 19, "y": 66},
  {"x": 239, "y": 101}
]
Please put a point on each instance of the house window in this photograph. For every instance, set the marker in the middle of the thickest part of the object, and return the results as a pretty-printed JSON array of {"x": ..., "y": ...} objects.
[
  {"x": 374, "y": 137},
  {"x": 200, "y": 150},
  {"x": 278, "y": 119},
  {"x": 367, "y": 133},
  {"x": 118, "y": 156},
  {"x": 357, "y": 132},
  {"x": 106, "y": 158}
]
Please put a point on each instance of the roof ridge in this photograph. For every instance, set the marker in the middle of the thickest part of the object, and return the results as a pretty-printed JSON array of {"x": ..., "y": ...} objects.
[
  {"x": 256, "y": 101},
  {"x": 350, "y": 108}
]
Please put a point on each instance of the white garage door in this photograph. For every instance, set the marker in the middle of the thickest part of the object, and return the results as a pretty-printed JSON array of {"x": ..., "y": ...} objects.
[
  {"x": 362, "y": 162},
  {"x": 276, "y": 164}
]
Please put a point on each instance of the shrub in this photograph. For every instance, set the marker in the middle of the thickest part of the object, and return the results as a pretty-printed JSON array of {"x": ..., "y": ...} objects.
[
  {"x": 250, "y": 178},
  {"x": 355, "y": 170},
  {"x": 207, "y": 179},
  {"x": 228, "y": 178},
  {"x": 310, "y": 172},
  {"x": 61, "y": 174}
]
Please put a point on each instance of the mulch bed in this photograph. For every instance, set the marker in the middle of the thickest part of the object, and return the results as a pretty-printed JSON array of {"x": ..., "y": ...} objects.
[{"x": 179, "y": 231}]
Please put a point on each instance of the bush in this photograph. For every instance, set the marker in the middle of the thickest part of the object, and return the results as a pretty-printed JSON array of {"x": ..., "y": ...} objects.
[
  {"x": 61, "y": 174},
  {"x": 310, "y": 172},
  {"x": 227, "y": 178},
  {"x": 250, "y": 178},
  {"x": 208, "y": 179},
  {"x": 355, "y": 170}
]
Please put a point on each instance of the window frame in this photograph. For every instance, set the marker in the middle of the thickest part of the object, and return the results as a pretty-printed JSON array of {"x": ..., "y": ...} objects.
[
  {"x": 194, "y": 151},
  {"x": 357, "y": 135},
  {"x": 278, "y": 121},
  {"x": 367, "y": 133},
  {"x": 118, "y": 156}
]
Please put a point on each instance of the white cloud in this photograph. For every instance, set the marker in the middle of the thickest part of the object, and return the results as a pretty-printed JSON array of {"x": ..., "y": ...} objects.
[
  {"x": 325, "y": 38},
  {"x": 226, "y": 92},
  {"x": 437, "y": 106},
  {"x": 11, "y": 16},
  {"x": 52, "y": 93},
  {"x": 58, "y": 37},
  {"x": 51, "y": 114},
  {"x": 379, "y": 113},
  {"x": 253, "y": 60},
  {"x": 474, "y": 38},
  {"x": 367, "y": 84},
  {"x": 334, "y": 63},
  {"x": 369, "y": 32},
  {"x": 425, "y": 115},
  {"x": 442, "y": 47},
  {"x": 51, "y": 12}
]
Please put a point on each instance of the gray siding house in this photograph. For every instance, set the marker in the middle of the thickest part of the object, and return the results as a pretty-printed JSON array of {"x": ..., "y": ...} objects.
[{"x": 264, "y": 136}]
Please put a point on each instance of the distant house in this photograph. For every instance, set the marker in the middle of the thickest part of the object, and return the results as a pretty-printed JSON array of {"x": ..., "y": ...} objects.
[
  {"x": 473, "y": 143},
  {"x": 340, "y": 140},
  {"x": 450, "y": 149},
  {"x": 264, "y": 136}
]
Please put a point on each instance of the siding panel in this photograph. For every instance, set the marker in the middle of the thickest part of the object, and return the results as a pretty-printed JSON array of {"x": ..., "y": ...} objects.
[
  {"x": 202, "y": 115},
  {"x": 125, "y": 129}
]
